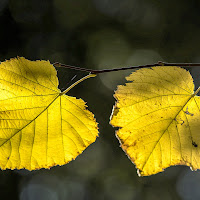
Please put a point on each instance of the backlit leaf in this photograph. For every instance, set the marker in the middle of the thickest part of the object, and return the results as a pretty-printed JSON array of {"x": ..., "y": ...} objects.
[
  {"x": 158, "y": 113},
  {"x": 39, "y": 126}
]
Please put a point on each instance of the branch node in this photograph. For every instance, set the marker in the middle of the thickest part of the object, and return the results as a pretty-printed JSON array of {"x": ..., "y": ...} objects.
[{"x": 161, "y": 63}]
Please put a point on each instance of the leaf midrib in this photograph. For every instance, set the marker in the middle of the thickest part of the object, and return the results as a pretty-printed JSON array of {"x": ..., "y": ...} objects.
[
  {"x": 169, "y": 126},
  {"x": 58, "y": 95}
]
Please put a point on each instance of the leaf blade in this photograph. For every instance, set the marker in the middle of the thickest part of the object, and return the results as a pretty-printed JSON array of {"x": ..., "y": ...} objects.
[
  {"x": 32, "y": 134},
  {"x": 157, "y": 100}
]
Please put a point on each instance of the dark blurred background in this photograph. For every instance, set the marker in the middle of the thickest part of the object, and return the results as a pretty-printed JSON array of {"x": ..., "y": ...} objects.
[{"x": 100, "y": 34}]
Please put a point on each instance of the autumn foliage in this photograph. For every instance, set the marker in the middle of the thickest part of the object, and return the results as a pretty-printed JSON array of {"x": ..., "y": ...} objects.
[
  {"x": 157, "y": 112},
  {"x": 159, "y": 119},
  {"x": 40, "y": 126}
]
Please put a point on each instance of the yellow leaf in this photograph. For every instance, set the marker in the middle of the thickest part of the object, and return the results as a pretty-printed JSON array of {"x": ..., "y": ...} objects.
[
  {"x": 39, "y": 126},
  {"x": 158, "y": 113}
]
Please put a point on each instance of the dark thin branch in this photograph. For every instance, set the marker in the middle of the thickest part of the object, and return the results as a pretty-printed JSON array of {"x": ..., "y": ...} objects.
[
  {"x": 57, "y": 64},
  {"x": 92, "y": 71}
]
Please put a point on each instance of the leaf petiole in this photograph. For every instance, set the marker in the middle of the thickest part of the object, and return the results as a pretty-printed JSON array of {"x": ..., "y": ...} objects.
[
  {"x": 195, "y": 93},
  {"x": 77, "y": 82}
]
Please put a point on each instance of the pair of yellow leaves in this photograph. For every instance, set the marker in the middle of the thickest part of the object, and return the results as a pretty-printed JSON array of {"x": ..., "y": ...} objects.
[{"x": 157, "y": 111}]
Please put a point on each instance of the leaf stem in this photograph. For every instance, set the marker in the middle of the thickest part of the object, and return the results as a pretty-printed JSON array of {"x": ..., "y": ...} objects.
[
  {"x": 92, "y": 71},
  {"x": 77, "y": 82},
  {"x": 195, "y": 93}
]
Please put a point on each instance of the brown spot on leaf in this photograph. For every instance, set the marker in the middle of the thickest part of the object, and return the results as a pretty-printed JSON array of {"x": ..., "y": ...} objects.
[
  {"x": 134, "y": 143},
  {"x": 194, "y": 144},
  {"x": 188, "y": 113}
]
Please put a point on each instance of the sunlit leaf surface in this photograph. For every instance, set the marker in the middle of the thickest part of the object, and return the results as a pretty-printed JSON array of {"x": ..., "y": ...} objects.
[
  {"x": 39, "y": 127},
  {"x": 158, "y": 115}
]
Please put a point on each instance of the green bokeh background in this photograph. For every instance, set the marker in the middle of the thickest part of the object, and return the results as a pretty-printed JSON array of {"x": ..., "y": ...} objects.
[{"x": 100, "y": 34}]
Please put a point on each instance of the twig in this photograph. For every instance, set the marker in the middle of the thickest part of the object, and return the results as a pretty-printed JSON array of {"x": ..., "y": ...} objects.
[{"x": 92, "y": 71}]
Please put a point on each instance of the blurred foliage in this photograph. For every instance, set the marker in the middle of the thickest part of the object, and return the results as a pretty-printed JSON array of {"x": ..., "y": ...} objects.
[{"x": 100, "y": 34}]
